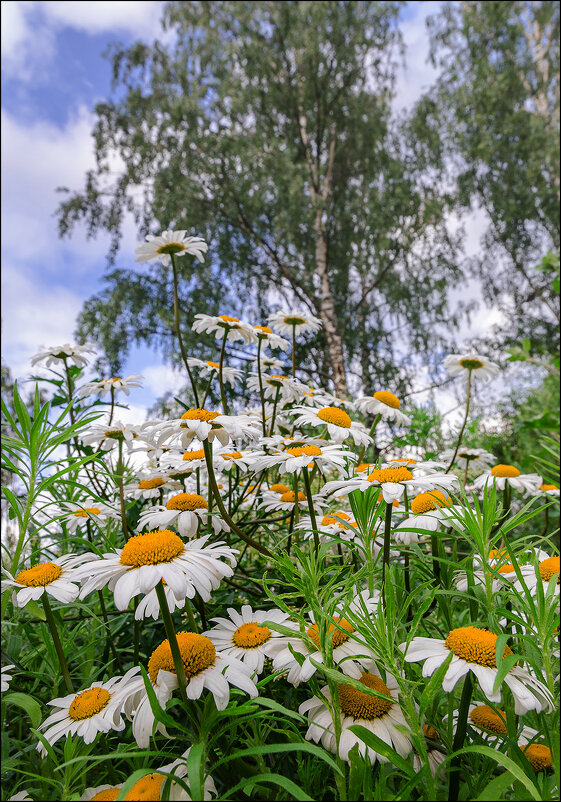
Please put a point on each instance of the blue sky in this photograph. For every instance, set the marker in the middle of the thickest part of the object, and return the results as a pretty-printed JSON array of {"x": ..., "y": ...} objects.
[{"x": 53, "y": 73}]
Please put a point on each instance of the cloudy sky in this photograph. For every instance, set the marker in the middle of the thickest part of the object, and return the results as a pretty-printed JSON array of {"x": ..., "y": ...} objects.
[{"x": 53, "y": 72}]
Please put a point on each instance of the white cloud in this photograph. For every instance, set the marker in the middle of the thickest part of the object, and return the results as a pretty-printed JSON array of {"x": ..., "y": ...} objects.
[
  {"x": 418, "y": 74},
  {"x": 161, "y": 379},
  {"x": 29, "y": 28}
]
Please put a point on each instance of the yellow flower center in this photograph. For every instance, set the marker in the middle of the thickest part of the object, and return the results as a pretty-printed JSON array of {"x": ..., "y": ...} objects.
[
  {"x": 506, "y": 569},
  {"x": 197, "y": 654},
  {"x": 228, "y": 319},
  {"x": 329, "y": 520},
  {"x": 389, "y": 399},
  {"x": 539, "y": 756},
  {"x": 430, "y": 732},
  {"x": 200, "y": 414},
  {"x": 232, "y": 455},
  {"x": 116, "y": 379},
  {"x": 264, "y": 329},
  {"x": 84, "y": 513},
  {"x": 474, "y": 645},
  {"x": 548, "y": 487},
  {"x": 338, "y": 637},
  {"x": 549, "y": 568},
  {"x": 486, "y": 718},
  {"x": 160, "y": 546},
  {"x": 213, "y": 365},
  {"x": 191, "y": 455},
  {"x": 147, "y": 789},
  {"x": 308, "y": 451},
  {"x": 250, "y": 636},
  {"x": 466, "y": 455},
  {"x": 361, "y": 705},
  {"x": 382, "y": 475},
  {"x": 187, "y": 501},
  {"x": 40, "y": 575},
  {"x": 294, "y": 320},
  {"x": 88, "y": 703},
  {"x": 109, "y": 795},
  {"x": 336, "y": 416},
  {"x": 496, "y": 554},
  {"x": 278, "y": 487},
  {"x": 429, "y": 501},
  {"x": 290, "y": 497},
  {"x": 505, "y": 470},
  {"x": 471, "y": 364},
  {"x": 171, "y": 248},
  {"x": 114, "y": 434},
  {"x": 364, "y": 466},
  {"x": 150, "y": 484}
]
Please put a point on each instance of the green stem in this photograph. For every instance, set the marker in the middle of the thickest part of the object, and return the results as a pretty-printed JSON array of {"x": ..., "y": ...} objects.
[
  {"x": 386, "y": 555},
  {"x": 112, "y": 406},
  {"x": 58, "y": 645},
  {"x": 108, "y": 630},
  {"x": 468, "y": 397},
  {"x": 376, "y": 421},
  {"x": 172, "y": 639},
  {"x": 206, "y": 391},
  {"x": 294, "y": 350},
  {"x": 122, "y": 491},
  {"x": 178, "y": 330},
  {"x": 261, "y": 391},
  {"x": 308, "y": 488},
  {"x": 220, "y": 504},
  {"x": 190, "y": 616},
  {"x": 274, "y": 411},
  {"x": 435, "y": 557},
  {"x": 459, "y": 738},
  {"x": 220, "y": 373}
]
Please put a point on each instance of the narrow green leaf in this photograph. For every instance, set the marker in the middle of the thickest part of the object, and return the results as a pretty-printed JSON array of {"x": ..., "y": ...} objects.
[
  {"x": 382, "y": 748},
  {"x": 27, "y": 703}
]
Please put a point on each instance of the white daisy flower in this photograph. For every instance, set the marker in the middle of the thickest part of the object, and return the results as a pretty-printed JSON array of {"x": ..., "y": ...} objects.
[
  {"x": 204, "y": 668},
  {"x": 287, "y": 501},
  {"x": 392, "y": 481},
  {"x": 546, "y": 569},
  {"x": 476, "y": 458},
  {"x": 76, "y": 514},
  {"x": 428, "y": 511},
  {"x": 268, "y": 338},
  {"x": 549, "y": 491},
  {"x": 71, "y": 354},
  {"x": 97, "y": 709},
  {"x": 499, "y": 561},
  {"x": 244, "y": 636},
  {"x": 286, "y": 322},
  {"x": 348, "y": 654},
  {"x": 57, "y": 577},
  {"x": 301, "y": 455},
  {"x": 226, "y": 459},
  {"x": 385, "y": 404},
  {"x": 206, "y": 369},
  {"x": 435, "y": 757},
  {"x": 151, "y": 486},
  {"x": 21, "y": 796},
  {"x": 489, "y": 720},
  {"x": 474, "y": 650},
  {"x": 329, "y": 526},
  {"x": 417, "y": 467},
  {"x": 502, "y": 475},
  {"x": 479, "y": 366},
  {"x": 206, "y": 425},
  {"x": 161, "y": 248},
  {"x": 382, "y": 716},
  {"x": 269, "y": 364},
  {"x": 184, "y": 462},
  {"x": 187, "y": 568},
  {"x": 5, "y": 678},
  {"x": 149, "y": 606},
  {"x": 106, "y": 436},
  {"x": 220, "y": 325},
  {"x": 339, "y": 425},
  {"x": 185, "y": 511},
  {"x": 290, "y": 389},
  {"x": 106, "y": 386},
  {"x": 151, "y": 785}
]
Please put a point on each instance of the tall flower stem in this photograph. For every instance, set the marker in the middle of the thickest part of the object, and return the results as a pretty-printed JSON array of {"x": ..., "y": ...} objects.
[
  {"x": 462, "y": 430},
  {"x": 275, "y": 411},
  {"x": 459, "y": 738},
  {"x": 206, "y": 392},
  {"x": 122, "y": 490},
  {"x": 112, "y": 390},
  {"x": 294, "y": 350},
  {"x": 172, "y": 639},
  {"x": 220, "y": 504},
  {"x": 261, "y": 392},
  {"x": 386, "y": 554},
  {"x": 58, "y": 645},
  {"x": 221, "y": 373},
  {"x": 178, "y": 330},
  {"x": 375, "y": 422},
  {"x": 190, "y": 616},
  {"x": 308, "y": 488}
]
